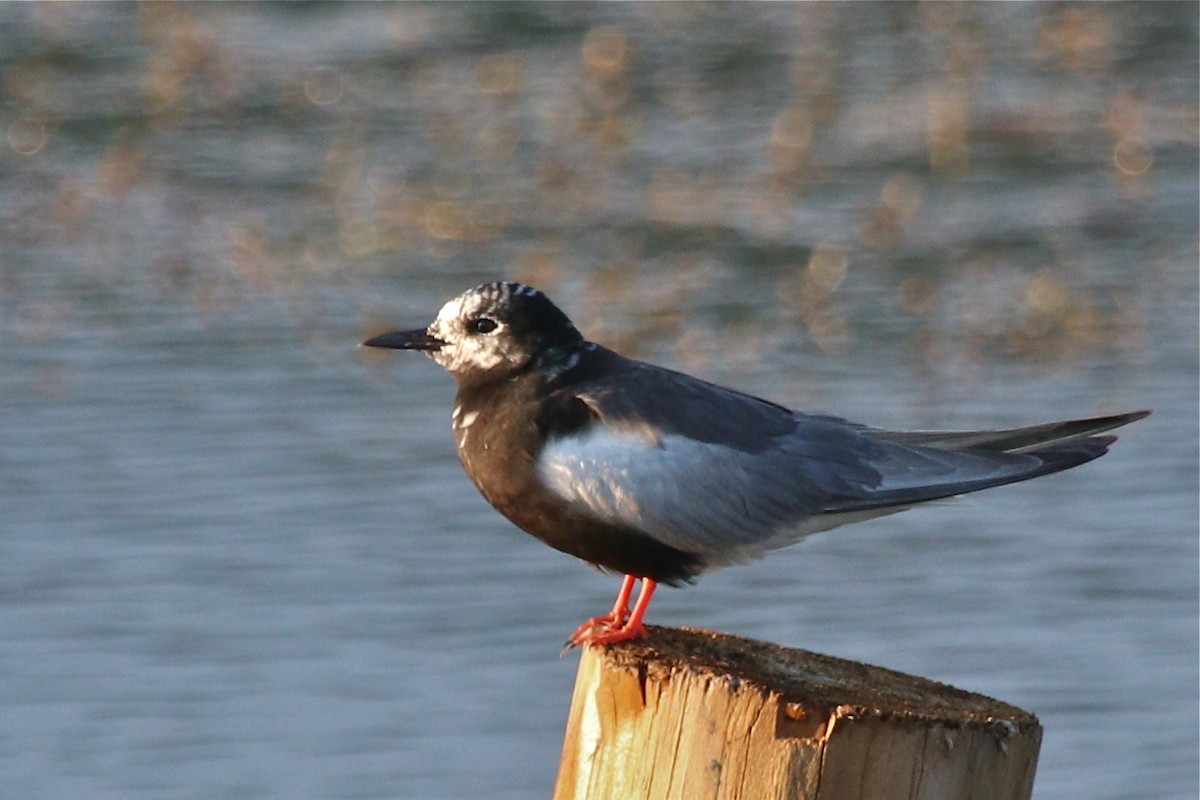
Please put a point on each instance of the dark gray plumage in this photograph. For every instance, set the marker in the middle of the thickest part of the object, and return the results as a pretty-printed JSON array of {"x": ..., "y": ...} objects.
[{"x": 663, "y": 476}]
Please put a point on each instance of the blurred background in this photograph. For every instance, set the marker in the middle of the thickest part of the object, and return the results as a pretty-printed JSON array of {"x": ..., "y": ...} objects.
[{"x": 237, "y": 556}]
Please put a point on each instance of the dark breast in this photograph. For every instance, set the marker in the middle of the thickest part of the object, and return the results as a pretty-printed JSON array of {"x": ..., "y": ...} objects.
[{"x": 498, "y": 432}]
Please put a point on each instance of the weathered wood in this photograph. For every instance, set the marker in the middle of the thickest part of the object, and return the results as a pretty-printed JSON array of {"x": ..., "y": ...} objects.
[{"x": 691, "y": 715}]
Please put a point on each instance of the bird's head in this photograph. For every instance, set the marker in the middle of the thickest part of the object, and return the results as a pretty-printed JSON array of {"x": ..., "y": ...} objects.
[{"x": 489, "y": 332}]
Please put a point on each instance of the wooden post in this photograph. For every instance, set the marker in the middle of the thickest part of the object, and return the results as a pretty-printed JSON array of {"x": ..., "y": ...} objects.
[{"x": 690, "y": 715}]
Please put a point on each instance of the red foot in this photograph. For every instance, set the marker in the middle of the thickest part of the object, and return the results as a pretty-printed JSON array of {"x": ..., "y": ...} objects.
[
  {"x": 619, "y": 624},
  {"x": 606, "y": 634},
  {"x": 595, "y": 624}
]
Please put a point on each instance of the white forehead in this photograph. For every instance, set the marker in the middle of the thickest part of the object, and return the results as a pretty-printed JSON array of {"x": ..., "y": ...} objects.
[
  {"x": 468, "y": 304},
  {"x": 462, "y": 307}
]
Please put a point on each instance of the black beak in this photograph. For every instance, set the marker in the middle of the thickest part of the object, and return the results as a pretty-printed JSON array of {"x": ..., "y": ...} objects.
[{"x": 406, "y": 340}]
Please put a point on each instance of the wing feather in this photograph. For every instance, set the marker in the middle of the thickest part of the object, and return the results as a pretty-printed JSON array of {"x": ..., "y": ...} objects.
[{"x": 727, "y": 477}]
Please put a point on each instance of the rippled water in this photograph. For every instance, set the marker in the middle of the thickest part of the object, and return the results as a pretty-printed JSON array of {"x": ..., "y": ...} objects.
[{"x": 237, "y": 556}]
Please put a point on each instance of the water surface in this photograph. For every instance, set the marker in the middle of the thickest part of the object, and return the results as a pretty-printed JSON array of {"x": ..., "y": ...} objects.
[{"x": 238, "y": 558}]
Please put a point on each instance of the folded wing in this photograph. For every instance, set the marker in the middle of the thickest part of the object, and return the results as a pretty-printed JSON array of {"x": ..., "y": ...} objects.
[{"x": 727, "y": 477}]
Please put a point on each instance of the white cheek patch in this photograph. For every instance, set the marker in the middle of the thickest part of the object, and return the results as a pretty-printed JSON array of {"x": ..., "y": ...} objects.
[
  {"x": 475, "y": 352},
  {"x": 462, "y": 349}
]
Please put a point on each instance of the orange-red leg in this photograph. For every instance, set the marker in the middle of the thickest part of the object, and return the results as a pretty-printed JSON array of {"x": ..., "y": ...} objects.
[
  {"x": 621, "y": 623},
  {"x": 620, "y": 609}
]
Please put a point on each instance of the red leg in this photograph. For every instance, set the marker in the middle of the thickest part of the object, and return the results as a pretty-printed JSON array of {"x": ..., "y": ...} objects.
[
  {"x": 631, "y": 628},
  {"x": 620, "y": 611}
]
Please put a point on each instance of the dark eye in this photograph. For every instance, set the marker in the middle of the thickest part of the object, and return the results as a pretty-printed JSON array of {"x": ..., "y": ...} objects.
[{"x": 483, "y": 325}]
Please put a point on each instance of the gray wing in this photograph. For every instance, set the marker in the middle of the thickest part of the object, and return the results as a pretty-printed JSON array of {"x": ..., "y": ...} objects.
[
  {"x": 635, "y": 397},
  {"x": 738, "y": 490}
]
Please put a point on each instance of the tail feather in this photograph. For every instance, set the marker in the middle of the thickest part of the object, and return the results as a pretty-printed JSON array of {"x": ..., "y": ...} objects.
[
  {"x": 1018, "y": 455},
  {"x": 1031, "y": 439}
]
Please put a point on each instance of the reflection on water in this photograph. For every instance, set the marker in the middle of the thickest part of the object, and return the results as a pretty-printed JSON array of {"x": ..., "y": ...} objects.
[{"x": 237, "y": 555}]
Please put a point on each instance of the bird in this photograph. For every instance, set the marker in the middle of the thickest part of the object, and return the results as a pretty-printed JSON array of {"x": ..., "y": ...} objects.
[{"x": 659, "y": 476}]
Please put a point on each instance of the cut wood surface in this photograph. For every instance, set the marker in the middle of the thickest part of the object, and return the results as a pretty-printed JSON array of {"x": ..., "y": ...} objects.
[{"x": 692, "y": 714}]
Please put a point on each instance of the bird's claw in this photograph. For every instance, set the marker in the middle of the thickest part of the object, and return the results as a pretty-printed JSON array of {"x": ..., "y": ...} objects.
[{"x": 603, "y": 630}]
